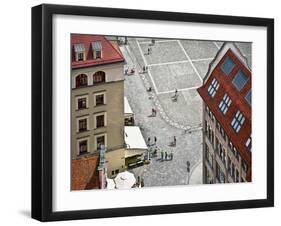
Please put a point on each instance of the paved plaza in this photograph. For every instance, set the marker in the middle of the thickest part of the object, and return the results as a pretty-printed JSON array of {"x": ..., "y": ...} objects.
[{"x": 171, "y": 65}]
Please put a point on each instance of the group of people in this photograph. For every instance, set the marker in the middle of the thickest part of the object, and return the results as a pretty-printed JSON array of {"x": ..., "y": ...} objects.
[
  {"x": 129, "y": 72},
  {"x": 153, "y": 149}
]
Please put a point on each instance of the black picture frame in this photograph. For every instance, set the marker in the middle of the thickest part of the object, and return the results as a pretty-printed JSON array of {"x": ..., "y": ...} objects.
[{"x": 42, "y": 111}]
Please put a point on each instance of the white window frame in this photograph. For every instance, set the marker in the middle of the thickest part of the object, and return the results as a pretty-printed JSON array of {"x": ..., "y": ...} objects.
[
  {"x": 237, "y": 121},
  {"x": 95, "y": 54},
  {"x": 88, "y": 144},
  {"x": 77, "y": 56},
  {"x": 95, "y": 119},
  {"x": 100, "y": 135},
  {"x": 248, "y": 143},
  {"x": 213, "y": 88},
  {"x": 104, "y": 98},
  {"x": 80, "y": 97},
  {"x": 77, "y": 123},
  {"x": 225, "y": 103}
]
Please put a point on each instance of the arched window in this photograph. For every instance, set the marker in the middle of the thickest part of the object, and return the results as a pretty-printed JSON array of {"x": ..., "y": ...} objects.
[
  {"x": 81, "y": 80},
  {"x": 99, "y": 77}
]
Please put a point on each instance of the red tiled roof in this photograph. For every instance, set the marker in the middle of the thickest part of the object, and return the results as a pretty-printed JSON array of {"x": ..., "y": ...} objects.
[
  {"x": 109, "y": 52},
  {"x": 238, "y": 103},
  {"x": 84, "y": 173}
]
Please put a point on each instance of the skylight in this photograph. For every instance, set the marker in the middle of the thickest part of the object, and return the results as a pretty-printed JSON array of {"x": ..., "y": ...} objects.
[
  {"x": 248, "y": 97},
  {"x": 228, "y": 65},
  {"x": 240, "y": 80}
]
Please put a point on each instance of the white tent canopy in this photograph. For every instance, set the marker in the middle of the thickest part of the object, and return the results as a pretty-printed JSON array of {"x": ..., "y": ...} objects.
[
  {"x": 127, "y": 107},
  {"x": 125, "y": 180},
  {"x": 134, "y": 138},
  {"x": 110, "y": 183}
]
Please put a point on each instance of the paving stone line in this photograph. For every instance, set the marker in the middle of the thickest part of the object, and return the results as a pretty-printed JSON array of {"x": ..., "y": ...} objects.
[{"x": 159, "y": 108}]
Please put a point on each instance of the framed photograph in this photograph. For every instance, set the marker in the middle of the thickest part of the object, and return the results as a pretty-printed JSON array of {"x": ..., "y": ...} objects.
[{"x": 146, "y": 112}]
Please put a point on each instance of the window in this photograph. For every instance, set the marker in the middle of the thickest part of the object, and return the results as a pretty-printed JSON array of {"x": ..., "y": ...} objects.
[
  {"x": 98, "y": 54},
  {"x": 213, "y": 87},
  {"x": 208, "y": 156},
  {"x": 240, "y": 80},
  {"x": 225, "y": 104},
  {"x": 100, "y": 141},
  {"x": 96, "y": 47},
  {"x": 80, "y": 56},
  {"x": 238, "y": 121},
  {"x": 117, "y": 171},
  {"x": 82, "y": 125},
  {"x": 249, "y": 143},
  {"x": 249, "y": 97},
  {"x": 244, "y": 166},
  {"x": 99, "y": 77},
  {"x": 236, "y": 175},
  {"x": 100, "y": 121},
  {"x": 220, "y": 174},
  {"x": 79, "y": 50},
  {"x": 81, "y": 80},
  {"x": 100, "y": 99},
  {"x": 82, "y": 103},
  {"x": 83, "y": 147},
  {"x": 228, "y": 65},
  {"x": 206, "y": 127}
]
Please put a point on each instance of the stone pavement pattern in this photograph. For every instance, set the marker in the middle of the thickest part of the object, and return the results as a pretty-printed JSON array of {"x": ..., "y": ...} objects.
[{"x": 173, "y": 64}]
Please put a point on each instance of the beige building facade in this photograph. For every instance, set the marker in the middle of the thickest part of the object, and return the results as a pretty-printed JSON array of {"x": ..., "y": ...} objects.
[{"x": 97, "y": 102}]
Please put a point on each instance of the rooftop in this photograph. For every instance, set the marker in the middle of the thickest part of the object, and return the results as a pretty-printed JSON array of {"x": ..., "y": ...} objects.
[{"x": 89, "y": 43}]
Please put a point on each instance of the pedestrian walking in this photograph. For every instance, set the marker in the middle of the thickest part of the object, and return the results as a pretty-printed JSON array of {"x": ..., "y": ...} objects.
[
  {"x": 142, "y": 182},
  {"x": 166, "y": 155},
  {"x": 143, "y": 69},
  {"x": 126, "y": 71},
  {"x": 162, "y": 155},
  {"x": 148, "y": 141},
  {"x": 172, "y": 155},
  {"x": 175, "y": 141},
  {"x": 155, "y": 139}
]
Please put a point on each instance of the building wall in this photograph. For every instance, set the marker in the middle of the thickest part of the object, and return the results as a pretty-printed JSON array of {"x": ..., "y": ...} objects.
[
  {"x": 214, "y": 139},
  {"x": 114, "y": 72},
  {"x": 113, "y": 109},
  {"x": 115, "y": 161}
]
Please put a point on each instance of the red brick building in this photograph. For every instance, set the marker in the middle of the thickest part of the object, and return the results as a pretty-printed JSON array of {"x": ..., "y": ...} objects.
[{"x": 226, "y": 94}]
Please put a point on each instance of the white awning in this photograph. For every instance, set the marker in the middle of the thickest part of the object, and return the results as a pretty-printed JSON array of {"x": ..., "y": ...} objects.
[
  {"x": 134, "y": 138},
  {"x": 110, "y": 184},
  {"x": 78, "y": 48},
  {"x": 127, "y": 107}
]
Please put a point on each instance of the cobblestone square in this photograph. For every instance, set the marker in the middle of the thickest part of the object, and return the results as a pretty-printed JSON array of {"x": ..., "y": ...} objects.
[
  {"x": 169, "y": 77},
  {"x": 172, "y": 64},
  {"x": 198, "y": 50},
  {"x": 162, "y": 52}
]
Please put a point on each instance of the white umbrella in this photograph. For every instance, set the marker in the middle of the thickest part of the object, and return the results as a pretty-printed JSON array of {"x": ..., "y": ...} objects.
[
  {"x": 125, "y": 180},
  {"x": 110, "y": 183}
]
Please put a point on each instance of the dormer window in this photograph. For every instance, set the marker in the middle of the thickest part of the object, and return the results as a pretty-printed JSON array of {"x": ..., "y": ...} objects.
[
  {"x": 97, "y": 49},
  {"x": 79, "y": 50}
]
